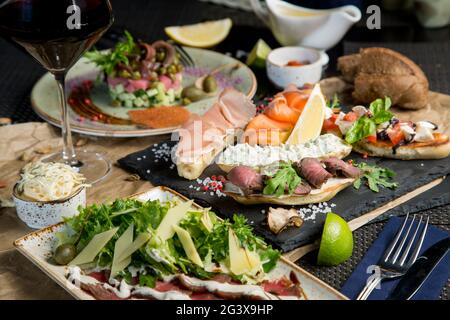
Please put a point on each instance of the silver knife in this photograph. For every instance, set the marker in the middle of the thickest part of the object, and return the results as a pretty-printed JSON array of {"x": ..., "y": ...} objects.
[{"x": 419, "y": 272}]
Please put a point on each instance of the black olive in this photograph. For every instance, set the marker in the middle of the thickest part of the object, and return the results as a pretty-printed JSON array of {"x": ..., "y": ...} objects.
[{"x": 64, "y": 254}]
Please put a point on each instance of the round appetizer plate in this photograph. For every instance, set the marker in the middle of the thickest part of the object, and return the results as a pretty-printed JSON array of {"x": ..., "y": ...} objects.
[{"x": 45, "y": 101}]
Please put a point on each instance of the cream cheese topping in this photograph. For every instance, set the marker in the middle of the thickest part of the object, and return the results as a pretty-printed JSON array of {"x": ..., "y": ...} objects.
[{"x": 258, "y": 156}]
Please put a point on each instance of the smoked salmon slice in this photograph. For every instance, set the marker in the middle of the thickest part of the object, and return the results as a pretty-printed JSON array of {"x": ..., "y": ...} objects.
[
  {"x": 296, "y": 99},
  {"x": 262, "y": 121},
  {"x": 266, "y": 131},
  {"x": 279, "y": 110}
]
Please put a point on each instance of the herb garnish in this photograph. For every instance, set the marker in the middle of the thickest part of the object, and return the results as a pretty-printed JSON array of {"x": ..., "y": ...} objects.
[
  {"x": 285, "y": 179},
  {"x": 109, "y": 60},
  {"x": 367, "y": 125},
  {"x": 334, "y": 103},
  {"x": 375, "y": 176}
]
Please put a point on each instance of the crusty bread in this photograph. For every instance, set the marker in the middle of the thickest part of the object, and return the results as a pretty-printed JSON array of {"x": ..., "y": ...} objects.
[
  {"x": 349, "y": 66},
  {"x": 379, "y": 72},
  {"x": 383, "y": 61},
  {"x": 434, "y": 149},
  {"x": 325, "y": 193},
  {"x": 193, "y": 170},
  {"x": 408, "y": 92}
]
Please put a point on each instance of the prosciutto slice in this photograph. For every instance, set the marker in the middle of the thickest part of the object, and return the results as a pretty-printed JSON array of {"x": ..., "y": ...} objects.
[{"x": 206, "y": 133}]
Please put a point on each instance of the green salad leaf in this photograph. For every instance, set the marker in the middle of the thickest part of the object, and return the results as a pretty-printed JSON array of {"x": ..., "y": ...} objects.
[
  {"x": 158, "y": 257},
  {"x": 367, "y": 125},
  {"x": 375, "y": 177},
  {"x": 107, "y": 61},
  {"x": 334, "y": 103},
  {"x": 362, "y": 128},
  {"x": 286, "y": 178}
]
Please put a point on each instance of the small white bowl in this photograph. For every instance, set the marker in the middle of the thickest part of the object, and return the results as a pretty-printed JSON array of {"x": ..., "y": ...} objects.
[
  {"x": 281, "y": 75},
  {"x": 41, "y": 214}
]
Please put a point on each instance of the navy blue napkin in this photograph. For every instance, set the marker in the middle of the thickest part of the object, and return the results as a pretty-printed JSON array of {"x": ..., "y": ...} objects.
[{"x": 430, "y": 290}]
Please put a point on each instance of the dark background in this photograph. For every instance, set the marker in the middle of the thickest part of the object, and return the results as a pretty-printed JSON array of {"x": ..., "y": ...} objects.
[{"x": 430, "y": 48}]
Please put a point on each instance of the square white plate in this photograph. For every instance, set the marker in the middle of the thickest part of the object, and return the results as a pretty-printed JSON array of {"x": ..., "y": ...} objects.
[{"x": 37, "y": 246}]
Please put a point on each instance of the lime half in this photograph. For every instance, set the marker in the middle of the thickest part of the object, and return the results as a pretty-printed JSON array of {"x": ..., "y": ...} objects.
[
  {"x": 258, "y": 55},
  {"x": 336, "y": 244}
]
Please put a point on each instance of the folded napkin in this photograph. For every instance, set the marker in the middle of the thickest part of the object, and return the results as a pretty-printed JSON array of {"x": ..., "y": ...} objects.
[{"x": 430, "y": 290}]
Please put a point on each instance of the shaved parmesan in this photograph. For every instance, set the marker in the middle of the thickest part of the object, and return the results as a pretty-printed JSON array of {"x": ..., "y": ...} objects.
[
  {"x": 125, "y": 240},
  {"x": 206, "y": 220},
  {"x": 97, "y": 243},
  {"x": 173, "y": 217},
  {"x": 242, "y": 261},
  {"x": 141, "y": 239},
  {"x": 188, "y": 245}
]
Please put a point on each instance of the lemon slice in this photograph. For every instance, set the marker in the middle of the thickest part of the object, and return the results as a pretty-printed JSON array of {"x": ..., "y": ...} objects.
[
  {"x": 201, "y": 35},
  {"x": 309, "y": 124}
]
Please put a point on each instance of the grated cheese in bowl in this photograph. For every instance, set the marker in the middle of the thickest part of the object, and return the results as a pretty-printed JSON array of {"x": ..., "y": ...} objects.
[{"x": 49, "y": 181}]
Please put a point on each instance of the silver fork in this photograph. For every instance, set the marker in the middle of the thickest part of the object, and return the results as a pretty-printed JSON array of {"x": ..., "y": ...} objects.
[
  {"x": 185, "y": 58},
  {"x": 391, "y": 264}
]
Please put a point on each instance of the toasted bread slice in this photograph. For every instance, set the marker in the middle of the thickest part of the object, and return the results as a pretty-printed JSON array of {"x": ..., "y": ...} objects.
[
  {"x": 325, "y": 193},
  {"x": 193, "y": 170},
  {"x": 434, "y": 149}
]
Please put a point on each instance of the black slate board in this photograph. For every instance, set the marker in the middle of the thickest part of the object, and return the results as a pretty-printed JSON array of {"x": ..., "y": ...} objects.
[{"x": 350, "y": 203}]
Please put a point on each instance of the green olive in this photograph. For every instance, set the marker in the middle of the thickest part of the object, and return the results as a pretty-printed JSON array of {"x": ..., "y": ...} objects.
[
  {"x": 179, "y": 67},
  {"x": 209, "y": 84},
  {"x": 193, "y": 93},
  {"x": 64, "y": 254}
]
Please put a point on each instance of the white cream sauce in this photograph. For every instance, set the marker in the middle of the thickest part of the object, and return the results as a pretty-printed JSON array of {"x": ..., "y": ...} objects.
[{"x": 214, "y": 286}]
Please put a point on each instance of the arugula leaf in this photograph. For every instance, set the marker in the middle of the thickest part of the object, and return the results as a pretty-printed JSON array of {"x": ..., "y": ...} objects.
[
  {"x": 147, "y": 280},
  {"x": 375, "y": 176},
  {"x": 269, "y": 258},
  {"x": 286, "y": 178},
  {"x": 361, "y": 128},
  {"x": 107, "y": 61}
]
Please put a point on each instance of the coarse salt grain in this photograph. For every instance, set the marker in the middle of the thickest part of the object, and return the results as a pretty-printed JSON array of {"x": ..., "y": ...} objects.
[{"x": 312, "y": 210}]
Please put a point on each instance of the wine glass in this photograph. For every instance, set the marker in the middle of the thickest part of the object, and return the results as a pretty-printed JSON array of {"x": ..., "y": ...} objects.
[{"x": 56, "y": 34}]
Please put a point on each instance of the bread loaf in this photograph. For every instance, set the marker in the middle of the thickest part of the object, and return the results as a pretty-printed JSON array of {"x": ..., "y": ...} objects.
[{"x": 380, "y": 72}]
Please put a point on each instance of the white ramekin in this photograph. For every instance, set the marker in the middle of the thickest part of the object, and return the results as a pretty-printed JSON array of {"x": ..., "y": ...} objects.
[
  {"x": 40, "y": 214},
  {"x": 281, "y": 75}
]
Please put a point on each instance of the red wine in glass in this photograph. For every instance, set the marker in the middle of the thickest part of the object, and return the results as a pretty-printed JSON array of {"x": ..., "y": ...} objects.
[{"x": 56, "y": 33}]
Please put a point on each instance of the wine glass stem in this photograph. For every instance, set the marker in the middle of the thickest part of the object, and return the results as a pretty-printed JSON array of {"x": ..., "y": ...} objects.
[{"x": 68, "y": 154}]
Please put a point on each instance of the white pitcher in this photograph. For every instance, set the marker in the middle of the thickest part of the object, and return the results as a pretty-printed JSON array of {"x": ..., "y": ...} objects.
[{"x": 298, "y": 26}]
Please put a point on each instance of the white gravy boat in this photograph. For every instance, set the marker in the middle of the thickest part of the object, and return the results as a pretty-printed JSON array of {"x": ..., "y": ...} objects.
[{"x": 297, "y": 26}]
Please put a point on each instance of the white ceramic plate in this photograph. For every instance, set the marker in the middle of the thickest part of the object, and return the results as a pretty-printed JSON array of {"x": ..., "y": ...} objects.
[
  {"x": 45, "y": 101},
  {"x": 37, "y": 247}
]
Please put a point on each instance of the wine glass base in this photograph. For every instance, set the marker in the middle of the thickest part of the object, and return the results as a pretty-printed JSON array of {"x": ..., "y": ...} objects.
[{"x": 94, "y": 166}]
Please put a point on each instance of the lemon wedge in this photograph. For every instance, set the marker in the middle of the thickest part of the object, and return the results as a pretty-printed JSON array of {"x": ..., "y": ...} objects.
[
  {"x": 309, "y": 124},
  {"x": 201, "y": 35}
]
